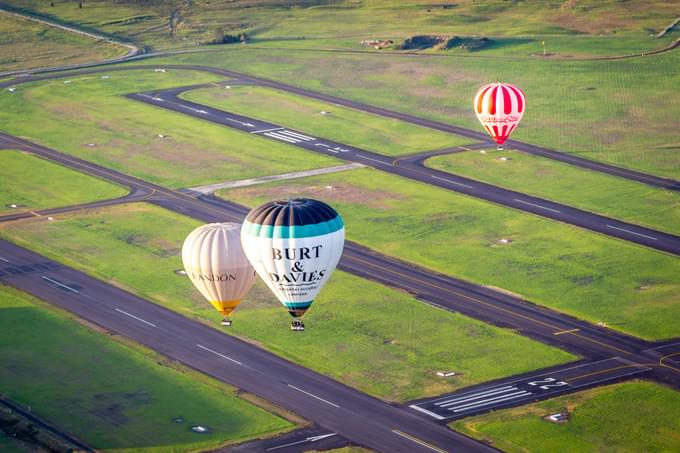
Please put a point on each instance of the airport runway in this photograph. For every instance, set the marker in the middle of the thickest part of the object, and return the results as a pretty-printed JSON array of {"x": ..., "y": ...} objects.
[
  {"x": 356, "y": 416},
  {"x": 436, "y": 289},
  {"x": 474, "y": 135},
  {"x": 169, "y": 99}
]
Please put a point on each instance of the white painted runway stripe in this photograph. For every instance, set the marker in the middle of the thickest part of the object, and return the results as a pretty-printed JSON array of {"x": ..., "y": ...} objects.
[
  {"x": 61, "y": 285},
  {"x": 371, "y": 159},
  {"x": 218, "y": 354},
  {"x": 452, "y": 182},
  {"x": 313, "y": 396},
  {"x": 135, "y": 317},
  {"x": 425, "y": 411},
  {"x": 496, "y": 400},
  {"x": 3, "y": 259},
  {"x": 261, "y": 131},
  {"x": 537, "y": 206},
  {"x": 479, "y": 395},
  {"x": 632, "y": 232},
  {"x": 297, "y": 135},
  {"x": 418, "y": 441},
  {"x": 281, "y": 137}
]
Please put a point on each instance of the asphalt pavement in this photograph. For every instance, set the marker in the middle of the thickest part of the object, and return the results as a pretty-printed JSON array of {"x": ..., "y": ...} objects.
[
  {"x": 356, "y": 416},
  {"x": 169, "y": 99}
]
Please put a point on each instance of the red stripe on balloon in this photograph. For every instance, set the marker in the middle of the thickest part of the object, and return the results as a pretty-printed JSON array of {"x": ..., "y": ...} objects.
[
  {"x": 507, "y": 102},
  {"x": 520, "y": 98}
]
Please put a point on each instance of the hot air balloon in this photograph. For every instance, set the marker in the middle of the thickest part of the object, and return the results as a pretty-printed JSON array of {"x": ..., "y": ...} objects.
[
  {"x": 215, "y": 263},
  {"x": 294, "y": 246},
  {"x": 499, "y": 107}
]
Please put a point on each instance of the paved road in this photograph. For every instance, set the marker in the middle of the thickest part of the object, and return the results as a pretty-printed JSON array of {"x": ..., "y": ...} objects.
[
  {"x": 472, "y": 134},
  {"x": 169, "y": 99},
  {"x": 356, "y": 416},
  {"x": 518, "y": 391},
  {"x": 436, "y": 289}
]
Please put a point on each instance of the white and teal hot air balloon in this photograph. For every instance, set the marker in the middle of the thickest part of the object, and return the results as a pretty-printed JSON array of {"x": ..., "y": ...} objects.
[{"x": 294, "y": 246}]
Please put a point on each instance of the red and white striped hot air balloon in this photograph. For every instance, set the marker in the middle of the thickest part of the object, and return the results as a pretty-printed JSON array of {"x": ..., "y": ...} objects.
[{"x": 499, "y": 107}]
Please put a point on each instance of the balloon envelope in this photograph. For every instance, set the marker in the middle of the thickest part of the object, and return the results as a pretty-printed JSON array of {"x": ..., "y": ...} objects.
[
  {"x": 499, "y": 107},
  {"x": 215, "y": 263},
  {"x": 294, "y": 246}
]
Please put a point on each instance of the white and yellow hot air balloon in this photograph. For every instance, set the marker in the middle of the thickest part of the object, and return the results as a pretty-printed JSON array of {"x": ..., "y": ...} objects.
[{"x": 215, "y": 263}]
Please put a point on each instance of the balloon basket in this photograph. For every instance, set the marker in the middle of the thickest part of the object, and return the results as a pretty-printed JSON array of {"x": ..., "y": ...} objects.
[
  {"x": 226, "y": 322},
  {"x": 499, "y": 148},
  {"x": 297, "y": 326}
]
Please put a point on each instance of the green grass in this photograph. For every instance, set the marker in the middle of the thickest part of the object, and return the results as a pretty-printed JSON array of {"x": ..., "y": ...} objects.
[
  {"x": 8, "y": 445},
  {"x": 26, "y": 45},
  {"x": 373, "y": 133},
  {"x": 622, "y": 112},
  {"x": 113, "y": 395},
  {"x": 594, "y": 277},
  {"x": 333, "y": 24},
  {"x": 629, "y": 417},
  {"x": 92, "y": 110},
  {"x": 33, "y": 183},
  {"x": 589, "y": 190},
  {"x": 359, "y": 332}
]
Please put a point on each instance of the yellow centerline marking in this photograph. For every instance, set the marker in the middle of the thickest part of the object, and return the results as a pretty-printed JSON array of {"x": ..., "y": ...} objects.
[
  {"x": 666, "y": 365},
  {"x": 595, "y": 373},
  {"x": 566, "y": 331},
  {"x": 418, "y": 441},
  {"x": 537, "y": 321}
]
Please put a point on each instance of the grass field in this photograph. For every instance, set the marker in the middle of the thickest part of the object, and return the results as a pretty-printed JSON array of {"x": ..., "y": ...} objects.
[
  {"x": 8, "y": 445},
  {"x": 546, "y": 178},
  {"x": 344, "y": 23},
  {"x": 621, "y": 111},
  {"x": 49, "y": 186},
  {"x": 26, "y": 45},
  {"x": 373, "y": 133},
  {"x": 114, "y": 396},
  {"x": 89, "y": 118},
  {"x": 370, "y": 337},
  {"x": 630, "y": 417},
  {"x": 629, "y": 287}
]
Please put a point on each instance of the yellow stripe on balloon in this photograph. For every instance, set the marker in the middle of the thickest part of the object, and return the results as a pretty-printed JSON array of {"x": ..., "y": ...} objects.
[{"x": 225, "y": 306}]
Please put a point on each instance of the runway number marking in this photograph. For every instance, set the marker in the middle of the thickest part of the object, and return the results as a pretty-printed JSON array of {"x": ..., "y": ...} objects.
[
  {"x": 61, "y": 285},
  {"x": 313, "y": 396},
  {"x": 631, "y": 232},
  {"x": 418, "y": 441},
  {"x": 218, "y": 354},
  {"x": 547, "y": 383},
  {"x": 135, "y": 317}
]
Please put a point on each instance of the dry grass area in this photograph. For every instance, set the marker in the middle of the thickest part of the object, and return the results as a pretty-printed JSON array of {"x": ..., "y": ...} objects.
[{"x": 26, "y": 45}]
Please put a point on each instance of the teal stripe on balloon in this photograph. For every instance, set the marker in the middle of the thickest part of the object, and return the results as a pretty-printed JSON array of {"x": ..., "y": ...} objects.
[
  {"x": 297, "y": 305},
  {"x": 294, "y": 231}
]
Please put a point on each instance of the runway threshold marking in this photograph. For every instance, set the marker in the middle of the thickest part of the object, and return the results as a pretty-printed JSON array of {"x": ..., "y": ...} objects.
[
  {"x": 59, "y": 284},
  {"x": 218, "y": 354},
  {"x": 426, "y": 412},
  {"x": 562, "y": 332},
  {"x": 313, "y": 396},
  {"x": 496, "y": 307},
  {"x": 418, "y": 441},
  {"x": 631, "y": 232},
  {"x": 135, "y": 317},
  {"x": 537, "y": 205}
]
